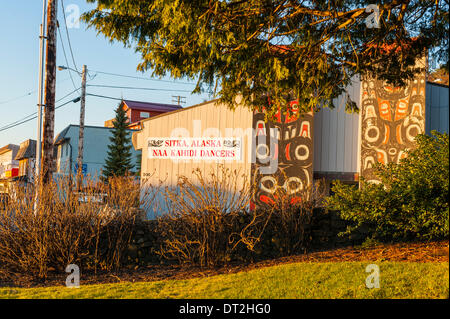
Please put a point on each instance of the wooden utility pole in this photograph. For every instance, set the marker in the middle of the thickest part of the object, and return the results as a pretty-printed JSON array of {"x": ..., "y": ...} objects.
[
  {"x": 37, "y": 173},
  {"x": 40, "y": 90},
  {"x": 49, "y": 93},
  {"x": 81, "y": 129}
]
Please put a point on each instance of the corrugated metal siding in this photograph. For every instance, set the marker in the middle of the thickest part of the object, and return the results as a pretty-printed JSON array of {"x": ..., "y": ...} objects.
[
  {"x": 215, "y": 121},
  {"x": 437, "y": 105},
  {"x": 336, "y": 133},
  {"x": 336, "y": 136}
]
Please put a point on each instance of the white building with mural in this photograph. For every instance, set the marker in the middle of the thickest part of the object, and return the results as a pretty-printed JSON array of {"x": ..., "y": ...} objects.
[{"x": 330, "y": 144}]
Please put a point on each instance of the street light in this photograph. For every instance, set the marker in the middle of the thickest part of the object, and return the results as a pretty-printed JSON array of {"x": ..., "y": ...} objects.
[{"x": 62, "y": 67}]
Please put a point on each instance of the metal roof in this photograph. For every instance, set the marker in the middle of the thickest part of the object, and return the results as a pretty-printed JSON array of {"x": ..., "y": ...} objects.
[
  {"x": 27, "y": 150},
  {"x": 181, "y": 109},
  {"x": 150, "y": 106},
  {"x": 9, "y": 147},
  {"x": 61, "y": 137}
]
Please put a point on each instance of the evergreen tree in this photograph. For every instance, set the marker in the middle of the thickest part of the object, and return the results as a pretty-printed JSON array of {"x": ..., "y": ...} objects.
[
  {"x": 138, "y": 164},
  {"x": 289, "y": 50},
  {"x": 119, "y": 159}
]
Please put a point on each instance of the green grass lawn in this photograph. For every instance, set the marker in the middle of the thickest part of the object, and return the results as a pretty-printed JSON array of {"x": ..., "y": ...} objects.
[{"x": 298, "y": 280}]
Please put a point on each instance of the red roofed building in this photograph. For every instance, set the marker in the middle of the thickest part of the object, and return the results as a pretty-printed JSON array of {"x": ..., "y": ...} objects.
[{"x": 138, "y": 111}]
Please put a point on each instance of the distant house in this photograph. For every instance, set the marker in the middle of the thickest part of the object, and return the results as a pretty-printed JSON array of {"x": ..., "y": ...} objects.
[
  {"x": 26, "y": 156},
  {"x": 9, "y": 167},
  {"x": 138, "y": 111},
  {"x": 95, "y": 148}
]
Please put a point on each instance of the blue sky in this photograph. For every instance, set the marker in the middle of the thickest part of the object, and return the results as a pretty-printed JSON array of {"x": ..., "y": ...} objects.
[{"x": 19, "y": 65}]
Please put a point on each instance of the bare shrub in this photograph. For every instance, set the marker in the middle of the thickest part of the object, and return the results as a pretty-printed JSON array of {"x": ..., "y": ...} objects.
[
  {"x": 90, "y": 228},
  {"x": 208, "y": 217},
  {"x": 208, "y": 220},
  {"x": 289, "y": 221}
]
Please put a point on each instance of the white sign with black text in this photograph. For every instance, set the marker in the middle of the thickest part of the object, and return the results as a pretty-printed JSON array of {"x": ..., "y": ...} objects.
[{"x": 201, "y": 148}]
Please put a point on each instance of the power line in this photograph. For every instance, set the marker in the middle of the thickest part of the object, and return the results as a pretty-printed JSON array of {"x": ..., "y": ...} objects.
[
  {"x": 30, "y": 119},
  {"x": 26, "y": 118},
  {"x": 34, "y": 116},
  {"x": 25, "y": 95},
  {"x": 136, "y": 88},
  {"x": 105, "y": 97},
  {"x": 140, "y": 77},
  {"x": 17, "y": 98},
  {"x": 65, "y": 56},
  {"x": 100, "y": 72},
  {"x": 17, "y": 124},
  {"x": 34, "y": 113}
]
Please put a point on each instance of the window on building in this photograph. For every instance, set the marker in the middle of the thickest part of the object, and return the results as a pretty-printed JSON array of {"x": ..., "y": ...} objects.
[{"x": 144, "y": 115}]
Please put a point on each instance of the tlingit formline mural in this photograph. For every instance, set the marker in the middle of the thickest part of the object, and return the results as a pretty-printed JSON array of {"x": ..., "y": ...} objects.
[
  {"x": 284, "y": 156},
  {"x": 391, "y": 117}
]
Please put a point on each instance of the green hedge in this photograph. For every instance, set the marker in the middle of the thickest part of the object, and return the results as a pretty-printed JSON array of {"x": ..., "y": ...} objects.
[{"x": 410, "y": 203}]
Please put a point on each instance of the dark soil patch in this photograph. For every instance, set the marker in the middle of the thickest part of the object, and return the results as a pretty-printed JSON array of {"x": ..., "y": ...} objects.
[{"x": 403, "y": 252}]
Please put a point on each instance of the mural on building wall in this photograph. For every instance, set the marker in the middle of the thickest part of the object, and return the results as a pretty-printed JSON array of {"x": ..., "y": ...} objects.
[
  {"x": 391, "y": 117},
  {"x": 283, "y": 156}
]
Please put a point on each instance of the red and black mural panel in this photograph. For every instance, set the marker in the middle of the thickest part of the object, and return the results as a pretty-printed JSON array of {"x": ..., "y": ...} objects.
[
  {"x": 283, "y": 159},
  {"x": 391, "y": 118}
]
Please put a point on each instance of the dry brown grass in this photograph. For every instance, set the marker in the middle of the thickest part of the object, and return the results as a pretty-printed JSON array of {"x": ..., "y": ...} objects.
[{"x": 91, "y": 229}]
